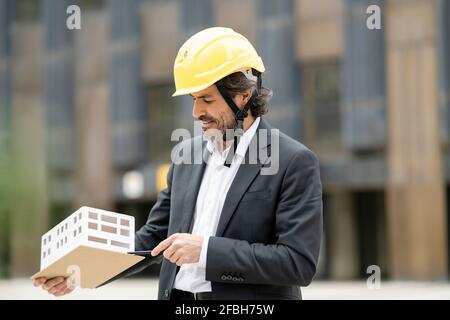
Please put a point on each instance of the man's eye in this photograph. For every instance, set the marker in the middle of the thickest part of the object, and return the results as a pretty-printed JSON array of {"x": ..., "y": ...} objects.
[{"x": 209, "y": 101}]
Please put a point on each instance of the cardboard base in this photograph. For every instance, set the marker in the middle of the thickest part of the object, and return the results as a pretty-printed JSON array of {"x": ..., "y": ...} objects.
[{"x": 96, "y": 265}]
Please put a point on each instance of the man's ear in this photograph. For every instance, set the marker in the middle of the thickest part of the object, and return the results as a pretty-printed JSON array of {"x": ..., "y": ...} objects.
[{"x": 245, "y": 97}]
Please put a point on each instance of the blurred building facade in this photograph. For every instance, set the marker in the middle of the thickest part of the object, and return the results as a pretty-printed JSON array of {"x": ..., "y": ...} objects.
[{"x": 86, "y": 117}]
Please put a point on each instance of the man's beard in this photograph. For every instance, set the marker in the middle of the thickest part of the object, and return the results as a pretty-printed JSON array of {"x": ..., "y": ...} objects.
[{"x": 223, "y": 131}]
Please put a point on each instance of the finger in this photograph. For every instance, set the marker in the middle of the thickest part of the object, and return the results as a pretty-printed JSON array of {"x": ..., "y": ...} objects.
[
  {"x": 176, "y": 256},
  {"x": 62, "y": 290},
  {"x": 59, "y": 293},
  {"x": 53, "y": 282},
  {"x": 63, "y": 293},
  {"x": 69, "y": 290},
  {"x": 59, "y": 287},
  {"x": 170, "y": 251},
  {"x": 52, "y": 291},
  {"x": 39, "y": 281},
  {"x": 163, "y": 245},
  {"x": 180, "y": 261},
  {"x": 56, "y": 288}
]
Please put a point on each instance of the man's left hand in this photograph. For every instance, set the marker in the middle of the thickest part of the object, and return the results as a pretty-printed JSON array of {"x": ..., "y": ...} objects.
[{"x": 180, "y": 248}]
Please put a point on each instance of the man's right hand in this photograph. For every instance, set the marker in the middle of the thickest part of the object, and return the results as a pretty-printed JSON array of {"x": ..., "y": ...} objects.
[{"x": 56, "y": 286}]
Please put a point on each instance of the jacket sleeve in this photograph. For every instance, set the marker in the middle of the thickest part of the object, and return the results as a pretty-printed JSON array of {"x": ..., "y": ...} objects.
[
  {"x": 292, "y": 260},
  {"x": 155, "y": 229}
]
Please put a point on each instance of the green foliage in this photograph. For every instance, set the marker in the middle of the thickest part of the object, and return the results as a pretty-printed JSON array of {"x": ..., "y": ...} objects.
[{"x": 6, "y": 194}]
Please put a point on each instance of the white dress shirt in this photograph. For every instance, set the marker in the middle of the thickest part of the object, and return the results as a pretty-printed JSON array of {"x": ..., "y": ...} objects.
[{"x": 216, "y": 181}]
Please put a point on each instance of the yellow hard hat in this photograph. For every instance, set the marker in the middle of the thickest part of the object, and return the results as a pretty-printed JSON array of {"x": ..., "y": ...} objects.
[{"x": 211, "y": 55}]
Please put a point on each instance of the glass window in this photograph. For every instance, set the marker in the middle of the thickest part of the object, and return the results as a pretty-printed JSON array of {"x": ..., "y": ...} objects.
[
  {"x": 27, "y": 10},
  {"x": 321, "y": 96},
  {"x": 89, "y": 4},
  {"x": 161, "y": 121}
]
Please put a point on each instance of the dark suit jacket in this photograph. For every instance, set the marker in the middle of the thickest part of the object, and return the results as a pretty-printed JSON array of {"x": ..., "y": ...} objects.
[{"x": 268, "y": 238}]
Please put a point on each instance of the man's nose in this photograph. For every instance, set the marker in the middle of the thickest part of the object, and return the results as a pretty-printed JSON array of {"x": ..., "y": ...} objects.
[{"x": 197, "y": 110}]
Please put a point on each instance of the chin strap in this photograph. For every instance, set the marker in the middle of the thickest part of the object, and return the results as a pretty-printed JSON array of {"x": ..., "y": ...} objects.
[{"x": 240, "y": 115}]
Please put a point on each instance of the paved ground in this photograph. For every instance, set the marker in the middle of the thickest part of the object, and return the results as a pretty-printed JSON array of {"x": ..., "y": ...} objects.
[{"x": 143, "y": 289}]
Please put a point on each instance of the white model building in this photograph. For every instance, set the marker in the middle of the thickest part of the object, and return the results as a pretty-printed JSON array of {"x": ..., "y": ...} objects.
[{"x": 88, "y": 227}]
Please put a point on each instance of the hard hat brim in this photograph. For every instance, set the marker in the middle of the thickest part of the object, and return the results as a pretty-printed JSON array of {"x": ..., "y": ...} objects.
[{"x": 256, "y": 64}]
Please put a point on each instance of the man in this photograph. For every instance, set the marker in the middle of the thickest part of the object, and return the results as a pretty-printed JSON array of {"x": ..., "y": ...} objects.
[{"x": 225, "y": 229}]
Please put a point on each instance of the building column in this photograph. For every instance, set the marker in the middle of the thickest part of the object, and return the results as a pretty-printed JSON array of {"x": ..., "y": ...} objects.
[
  {"x": 416, "y": 198},
  {"x": 29, "y": 219},
  {"x": 94, "y": 173}
]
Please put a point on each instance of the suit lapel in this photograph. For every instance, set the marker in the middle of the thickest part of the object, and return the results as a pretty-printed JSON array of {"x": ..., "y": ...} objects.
[{"x": 244, "y": 177}]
